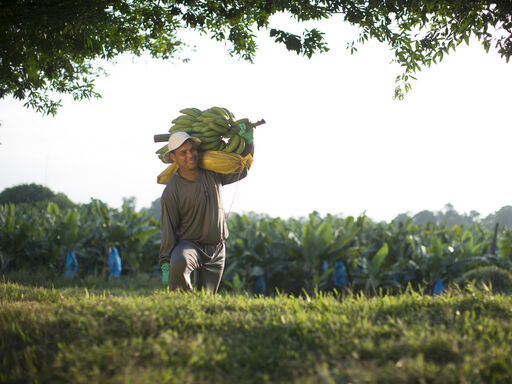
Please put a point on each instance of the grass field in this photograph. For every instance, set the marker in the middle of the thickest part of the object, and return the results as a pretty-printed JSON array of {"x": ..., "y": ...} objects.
[{"x": 79, "y": 335}]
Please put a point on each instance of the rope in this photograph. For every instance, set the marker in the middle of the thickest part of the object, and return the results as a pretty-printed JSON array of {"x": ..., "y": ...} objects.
[{"x": 234, "y": 195}]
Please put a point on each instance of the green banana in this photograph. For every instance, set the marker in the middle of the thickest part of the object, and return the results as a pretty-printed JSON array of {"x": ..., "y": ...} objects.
[
  {"x": 210, "y": 133},
  {"x": 196, "y": 129},
  {"x": 216, "y": 127},
  {"x": 209, "y": 113},
  {"x": 162, "y": 150},
  {"x": 209, "y": 139},
  {"x": 231, "y": 116},
  {"x": 185, "y": 119},
  {"x": 220, "y": 111},
  {"x": 213, "y": 125},
  {"x": 223, "y": 122},
  {"x": 221, "y": 146},
  {"x": 233, "y": 143},
  {"x": 188, "y": 130},
  {"x": 194, "y": 112},
  {"x": 206, "y": 120},
  {"x": 234, "y": 130},
  {"x": 180, "y": 128},
  {"x": 210, "y": 146},
  {"x": 240, "y": 147},
  {"x": 181, "y": 125}
]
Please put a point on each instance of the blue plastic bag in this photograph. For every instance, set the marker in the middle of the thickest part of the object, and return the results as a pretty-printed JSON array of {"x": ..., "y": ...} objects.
[
  {"x": 71, "y": 265},
  {"x": 340, "y": 275},
  {"x": 114, "y": 263},
  {"x": 438, "y": 287},
  {"x": 259, "y": 285}
]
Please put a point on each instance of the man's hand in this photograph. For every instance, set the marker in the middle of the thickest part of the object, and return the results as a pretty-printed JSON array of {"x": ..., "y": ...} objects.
[
  {"x": 248, "y": 150},
  {"x": 165, "y": 274}
]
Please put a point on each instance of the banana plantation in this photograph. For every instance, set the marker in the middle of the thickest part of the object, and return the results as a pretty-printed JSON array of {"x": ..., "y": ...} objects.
[{"x": 265, "y": 255}]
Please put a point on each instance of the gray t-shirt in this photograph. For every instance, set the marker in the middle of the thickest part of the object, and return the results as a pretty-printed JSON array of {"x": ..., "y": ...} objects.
[{"x": 193, "y": 210}]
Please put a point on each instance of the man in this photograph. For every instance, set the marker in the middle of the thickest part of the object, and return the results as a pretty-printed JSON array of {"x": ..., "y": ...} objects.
[{"x": 194, "y": 226}]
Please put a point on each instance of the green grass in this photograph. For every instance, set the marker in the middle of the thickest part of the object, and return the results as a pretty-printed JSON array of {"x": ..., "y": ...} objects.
[
  {"x": 43, "y": 278},
  {"x": 79, "y": 335}
]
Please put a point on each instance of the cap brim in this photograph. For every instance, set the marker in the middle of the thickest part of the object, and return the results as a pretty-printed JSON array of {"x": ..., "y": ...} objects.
[{"x": 167, "y": 158}]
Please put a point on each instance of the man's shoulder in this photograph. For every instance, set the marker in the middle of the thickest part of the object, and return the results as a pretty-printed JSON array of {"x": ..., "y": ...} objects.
[
  {"x": 212, "y": 175},
  {"x": 171, "y": 186}
]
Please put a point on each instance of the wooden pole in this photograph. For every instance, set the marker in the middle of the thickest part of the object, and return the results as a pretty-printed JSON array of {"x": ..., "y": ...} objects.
[{"x": 162, "y": 137}]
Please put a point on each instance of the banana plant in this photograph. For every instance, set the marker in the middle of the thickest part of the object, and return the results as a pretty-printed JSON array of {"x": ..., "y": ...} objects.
[
  {"x": 372, "y": 273},
  {"x": 434, "y": 259},
  {"x": 12, "y": 240},
  {"x": 318, "y": 241},
  {"x": 249, "y": 250},
  {"x": 63, "y": 233},
  {"x": 23, "y": 237},
  {"x": 469, "y": 242},
  {"x": 505, "y": 245},
  {"x": 133, "y": 233}
]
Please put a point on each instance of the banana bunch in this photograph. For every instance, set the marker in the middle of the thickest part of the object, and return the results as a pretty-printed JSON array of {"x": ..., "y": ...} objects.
[{"x": 216, "y": 127}]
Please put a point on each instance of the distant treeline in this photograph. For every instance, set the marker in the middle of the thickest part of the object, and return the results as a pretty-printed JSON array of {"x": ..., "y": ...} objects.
[
  {"x": 451, "y": 217},
  {"x": 36, "y": 194}
]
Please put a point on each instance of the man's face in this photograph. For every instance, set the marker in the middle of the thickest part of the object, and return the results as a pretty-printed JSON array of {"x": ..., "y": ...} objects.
[{"x": 185, "y": 156}]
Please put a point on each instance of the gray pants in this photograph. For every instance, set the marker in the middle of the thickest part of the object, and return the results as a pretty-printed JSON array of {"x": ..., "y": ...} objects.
[{"x": 206, "y": 260}]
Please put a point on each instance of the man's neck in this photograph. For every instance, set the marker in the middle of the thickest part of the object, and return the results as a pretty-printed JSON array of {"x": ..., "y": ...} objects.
[{"x": 189, "y": 175}]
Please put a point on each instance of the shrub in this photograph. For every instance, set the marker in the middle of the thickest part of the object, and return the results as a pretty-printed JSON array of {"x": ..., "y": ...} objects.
[{"x": 498, "y": 278}]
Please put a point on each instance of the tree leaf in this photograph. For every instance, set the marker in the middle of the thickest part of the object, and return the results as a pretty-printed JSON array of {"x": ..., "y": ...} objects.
[{"x": 379, "y": 258}]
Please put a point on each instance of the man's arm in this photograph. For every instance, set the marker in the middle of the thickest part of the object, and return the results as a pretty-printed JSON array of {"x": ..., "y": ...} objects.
[
  {"x": 249, "y": 149},
  {"x": 169, "y": 225}
]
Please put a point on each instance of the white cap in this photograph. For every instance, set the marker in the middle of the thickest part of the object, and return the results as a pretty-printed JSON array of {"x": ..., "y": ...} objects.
[{"x": 175, "y": 141}]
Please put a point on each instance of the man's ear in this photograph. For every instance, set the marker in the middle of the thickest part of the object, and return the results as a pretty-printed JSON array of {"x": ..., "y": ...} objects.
[{"x": 172, "y": 156}]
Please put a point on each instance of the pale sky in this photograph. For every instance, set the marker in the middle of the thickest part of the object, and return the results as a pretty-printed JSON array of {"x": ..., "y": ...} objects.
[{"x": 335, "y": 141}]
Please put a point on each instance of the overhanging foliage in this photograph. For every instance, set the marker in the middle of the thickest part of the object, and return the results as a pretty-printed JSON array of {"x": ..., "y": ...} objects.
[{"x": 49, "y": 47}]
